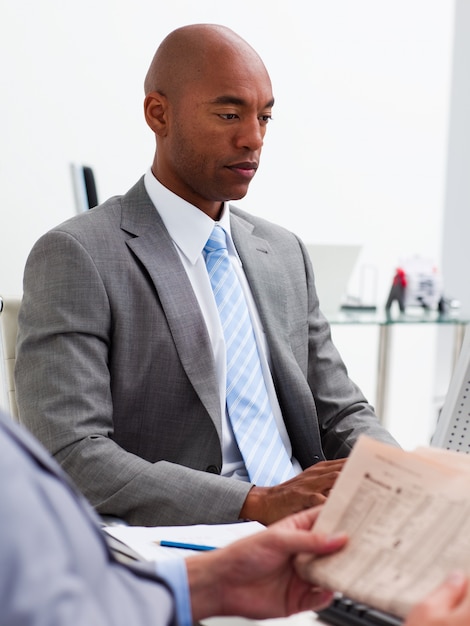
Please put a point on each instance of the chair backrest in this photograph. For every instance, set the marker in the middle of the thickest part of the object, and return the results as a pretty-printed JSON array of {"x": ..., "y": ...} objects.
[{"x": 9, "y": 308}]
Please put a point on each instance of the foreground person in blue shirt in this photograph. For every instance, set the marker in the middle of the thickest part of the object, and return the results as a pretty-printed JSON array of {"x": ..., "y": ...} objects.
[{"x": 57, "y": 569}]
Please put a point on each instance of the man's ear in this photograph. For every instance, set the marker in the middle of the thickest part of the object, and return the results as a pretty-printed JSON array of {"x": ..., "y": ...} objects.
[{"x": 156, "y": 112}]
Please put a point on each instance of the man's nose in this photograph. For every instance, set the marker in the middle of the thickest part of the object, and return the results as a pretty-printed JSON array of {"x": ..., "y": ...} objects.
[{"x": 251, "y": 134}]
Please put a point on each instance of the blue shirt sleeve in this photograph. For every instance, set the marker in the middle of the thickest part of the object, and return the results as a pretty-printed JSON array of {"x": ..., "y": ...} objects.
[{"x": 174, "y": 573}]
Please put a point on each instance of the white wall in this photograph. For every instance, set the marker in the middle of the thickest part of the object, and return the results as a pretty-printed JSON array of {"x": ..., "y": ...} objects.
[
  {"x": 456, "y": 227},
  {"x": 356, "y": 151},
  {"x": 456, "y": 216}
]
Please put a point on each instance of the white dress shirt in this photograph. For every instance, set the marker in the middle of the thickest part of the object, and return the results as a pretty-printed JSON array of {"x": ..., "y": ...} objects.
[{"x": 190, "y": 228}]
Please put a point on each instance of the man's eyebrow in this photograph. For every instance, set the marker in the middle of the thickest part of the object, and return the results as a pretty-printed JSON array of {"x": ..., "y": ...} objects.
[{"x": 237, "y": 101}]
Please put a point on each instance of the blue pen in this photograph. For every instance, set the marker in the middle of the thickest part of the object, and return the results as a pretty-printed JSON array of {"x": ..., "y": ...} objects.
[{"x": 185, "y": 546}]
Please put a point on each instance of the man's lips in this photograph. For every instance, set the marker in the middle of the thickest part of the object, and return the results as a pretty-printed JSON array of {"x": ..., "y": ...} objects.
[{"x": 246, "y": 169}]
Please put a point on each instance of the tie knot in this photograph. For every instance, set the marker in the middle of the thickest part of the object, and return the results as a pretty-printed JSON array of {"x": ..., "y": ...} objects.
[{"x": 217, "y": 240}]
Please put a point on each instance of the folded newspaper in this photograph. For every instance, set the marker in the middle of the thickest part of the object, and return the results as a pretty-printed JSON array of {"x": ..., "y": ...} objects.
[{"x": 407, "y": 515}]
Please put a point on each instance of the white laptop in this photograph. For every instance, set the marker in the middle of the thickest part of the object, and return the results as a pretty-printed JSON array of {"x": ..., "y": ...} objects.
[{"x": 333, "y": 265}]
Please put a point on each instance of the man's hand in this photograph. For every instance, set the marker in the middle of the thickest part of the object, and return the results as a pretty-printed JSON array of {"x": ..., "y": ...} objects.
[
  {"x": 310, "y": 488},
  {"x": 256, "y": 578},
  {"x": 449, "y": 605}
]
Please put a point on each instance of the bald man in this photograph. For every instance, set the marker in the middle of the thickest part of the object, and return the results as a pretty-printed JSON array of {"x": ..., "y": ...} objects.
[{"x": 121, "y": 364}]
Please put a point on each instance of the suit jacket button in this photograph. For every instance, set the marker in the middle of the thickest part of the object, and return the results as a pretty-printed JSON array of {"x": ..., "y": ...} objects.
[
  {"x": 316, "y": 458},
  {"x": 213, "y": 469}
]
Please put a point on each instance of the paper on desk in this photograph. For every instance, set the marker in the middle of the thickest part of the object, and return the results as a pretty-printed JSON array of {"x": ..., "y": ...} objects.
[
  {"x": 144, "y": 539},
  {"x": 408, "y": 518}
]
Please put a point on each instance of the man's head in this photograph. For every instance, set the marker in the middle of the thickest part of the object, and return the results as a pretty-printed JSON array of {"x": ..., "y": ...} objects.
[{"x": 208, "y": 99}]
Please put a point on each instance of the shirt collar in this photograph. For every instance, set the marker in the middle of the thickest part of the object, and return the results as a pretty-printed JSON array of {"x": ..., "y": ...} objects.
[{"x": 188, "y": 226}]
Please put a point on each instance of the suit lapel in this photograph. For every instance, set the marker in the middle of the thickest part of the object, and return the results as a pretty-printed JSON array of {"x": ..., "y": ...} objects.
[
  {"x": 265, "y": 274},
  {"x": 155, "y": 249},
  {"x": 153, "y": 246}
]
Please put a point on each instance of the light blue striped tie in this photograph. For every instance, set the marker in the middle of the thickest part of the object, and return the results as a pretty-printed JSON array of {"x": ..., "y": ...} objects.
[{"x": 247, "y": 399}]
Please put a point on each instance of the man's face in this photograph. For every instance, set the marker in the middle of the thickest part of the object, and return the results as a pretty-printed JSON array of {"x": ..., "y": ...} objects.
[{"x": 215, "y": 132}]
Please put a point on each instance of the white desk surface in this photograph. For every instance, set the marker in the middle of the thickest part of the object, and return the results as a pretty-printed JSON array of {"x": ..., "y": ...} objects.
[{"x": 307, "y": 618}]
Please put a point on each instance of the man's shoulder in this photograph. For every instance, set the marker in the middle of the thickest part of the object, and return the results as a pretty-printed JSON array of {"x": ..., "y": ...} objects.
[
  {"x": 259, "y": 225},
  {"x": 107, "y": 211},
  {"x": 131, "y": 211}
]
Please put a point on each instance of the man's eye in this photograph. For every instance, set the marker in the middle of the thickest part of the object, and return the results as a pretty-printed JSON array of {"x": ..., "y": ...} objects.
[
  {"x": 265, "y": 118},
  {"x": 229, "y": 116}
]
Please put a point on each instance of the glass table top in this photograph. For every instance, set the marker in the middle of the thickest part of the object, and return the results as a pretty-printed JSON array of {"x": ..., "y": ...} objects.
[{"x": 413, "y": 315}]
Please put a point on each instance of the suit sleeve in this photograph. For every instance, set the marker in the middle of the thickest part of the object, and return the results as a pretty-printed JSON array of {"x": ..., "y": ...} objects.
[
  {"x": 65, "y": 394},
  {"x": 343, "y": 411}
]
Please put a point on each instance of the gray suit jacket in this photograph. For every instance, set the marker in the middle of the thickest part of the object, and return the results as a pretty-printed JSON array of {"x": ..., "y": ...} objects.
[
  {"x": 115, "y": 373},
  {"x": 56, "y": 568}
]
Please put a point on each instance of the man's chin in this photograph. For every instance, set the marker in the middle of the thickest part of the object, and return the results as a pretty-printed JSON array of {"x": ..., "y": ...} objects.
[{"x": 238, "y": 193}]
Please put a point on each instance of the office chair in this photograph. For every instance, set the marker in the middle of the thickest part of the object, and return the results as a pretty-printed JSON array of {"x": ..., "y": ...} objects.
[{"x": 9, "y": 308}]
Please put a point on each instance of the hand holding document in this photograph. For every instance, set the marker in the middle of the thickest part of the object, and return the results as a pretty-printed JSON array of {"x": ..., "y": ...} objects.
[{"x": 407, "y": 515}]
